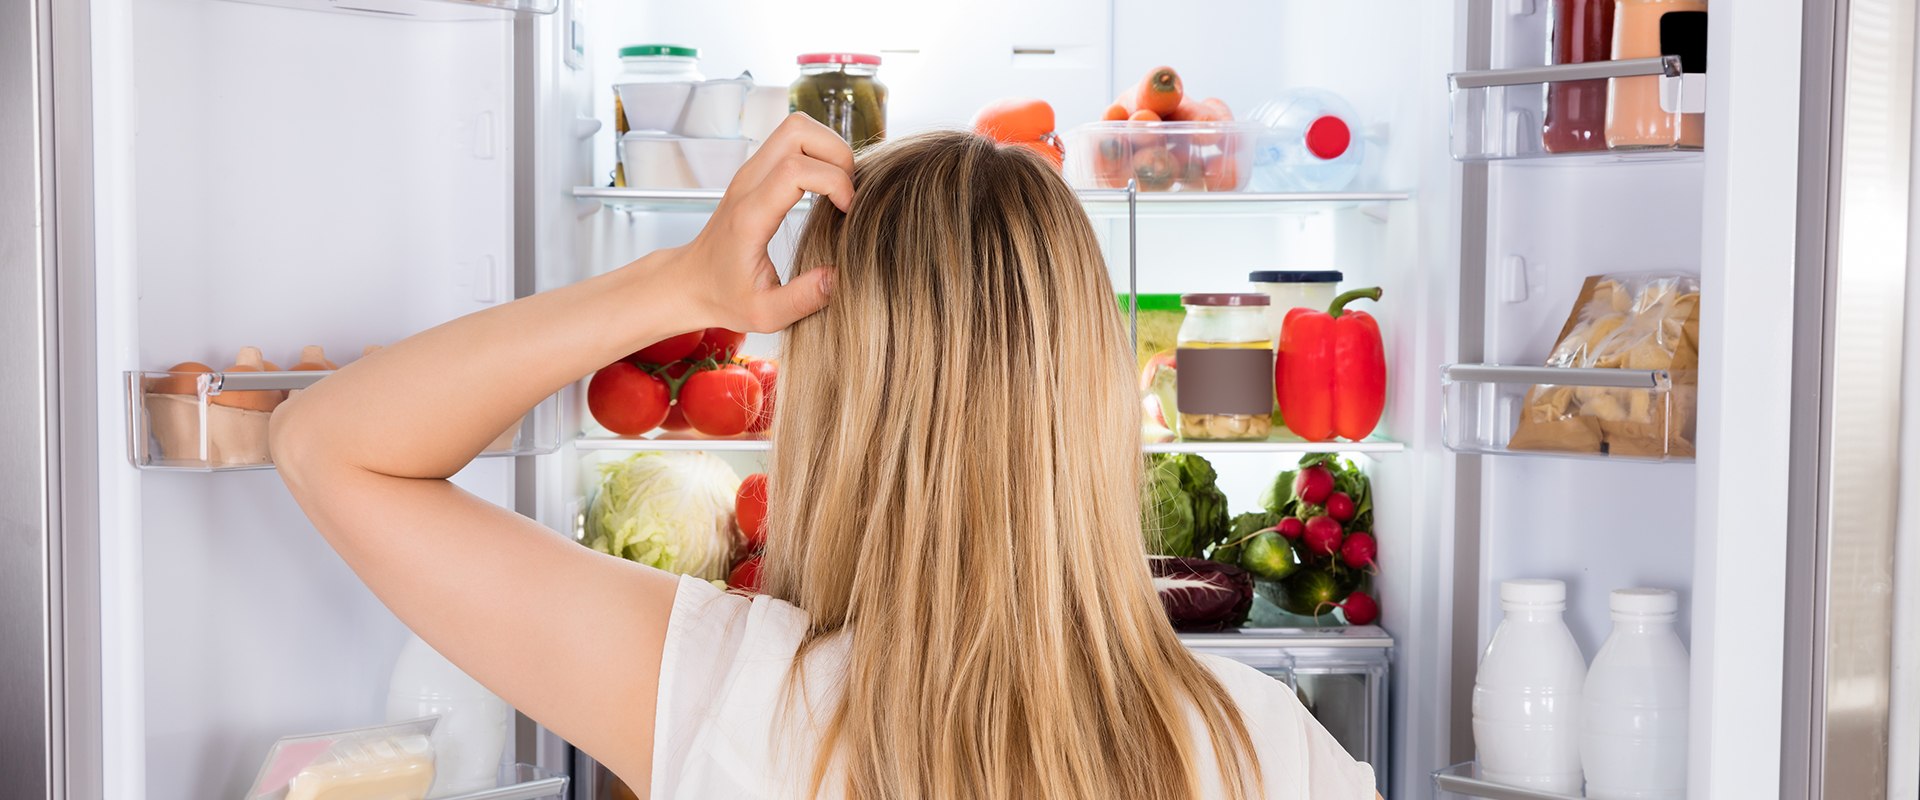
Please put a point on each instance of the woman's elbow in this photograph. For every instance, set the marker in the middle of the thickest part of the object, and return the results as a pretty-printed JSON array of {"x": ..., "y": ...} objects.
[{"x": 291, "y": 438}]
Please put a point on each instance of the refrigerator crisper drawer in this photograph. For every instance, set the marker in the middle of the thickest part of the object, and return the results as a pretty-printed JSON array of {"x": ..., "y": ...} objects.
[
  {"x": 1339, "y": 673},
  {"x": 177, "y": 421},
  {"x": 1644, "y": 415},
  {"x": 1503, "y": 113}
]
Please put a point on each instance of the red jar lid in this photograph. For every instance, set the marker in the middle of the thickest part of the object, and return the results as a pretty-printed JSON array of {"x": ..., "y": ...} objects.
[
  {"x": 1225, "y": 299},
  {"x": 839, "y": 58}
]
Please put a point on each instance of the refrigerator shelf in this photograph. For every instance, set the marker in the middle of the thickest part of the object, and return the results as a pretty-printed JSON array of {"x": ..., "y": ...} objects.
[
  {"x": 1610, "y": 414},
  {"x": 1500, "y": 114},
  {"x": 1278, "y": 443},
  {"x": 1098, "y": 202},
  {"x": 664, "y": 440},
  {"x": 692, "y": 441},
  {"x": 1463, "y": 780},
  {"x": 174, "y": 423},
  {"x": 423, "y": 10},
  {"x": 520, "y": 782}
]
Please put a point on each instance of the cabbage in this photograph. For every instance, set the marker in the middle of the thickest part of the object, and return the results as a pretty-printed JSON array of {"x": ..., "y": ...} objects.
[
  {"x": 1186, "y": 513},
  {"x": 1202, "y": 595},
  {"x": 669, "y": 510}
]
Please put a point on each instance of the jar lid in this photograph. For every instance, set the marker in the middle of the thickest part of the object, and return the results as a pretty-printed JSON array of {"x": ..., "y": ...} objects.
[
  {"x": 677, "y": 51},
  {"x": 1296, "y": 276},
  {"x": 1225, "y": 299},
  {"x": 838, "y": 58},
  {"x": 1537, "y": 593},
  {"x": 1644, "y": 602}
]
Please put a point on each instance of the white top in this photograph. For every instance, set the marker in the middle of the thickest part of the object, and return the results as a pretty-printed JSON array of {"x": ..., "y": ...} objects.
[{"x": 719, "y": 731}]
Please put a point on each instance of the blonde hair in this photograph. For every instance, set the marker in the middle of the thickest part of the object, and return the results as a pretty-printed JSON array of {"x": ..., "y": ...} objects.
[{"x": 956, "y": 485}]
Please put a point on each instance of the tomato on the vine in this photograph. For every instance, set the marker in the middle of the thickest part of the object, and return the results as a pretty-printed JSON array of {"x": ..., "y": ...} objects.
[
  {"x": 676, "y": 419},
  {"x": 722, "y": 401},
  {"x": 626, "y": 400},
  {"x": 768, "y": 373},
  {"x": 670, "y": 349},
  {"x": 745, "y": 575},
  {"x": 750, "y": 510},
  {"x": 718, "y": 344}
]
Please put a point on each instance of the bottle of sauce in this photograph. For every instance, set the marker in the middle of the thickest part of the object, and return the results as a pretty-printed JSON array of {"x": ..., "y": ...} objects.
[
  {"x": 1577, "y": 110},
  {"x": 1635, "y": 119}
]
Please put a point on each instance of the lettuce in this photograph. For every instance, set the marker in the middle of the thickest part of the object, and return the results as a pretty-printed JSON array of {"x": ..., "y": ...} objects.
[
  {"x": 669, "y": 510},
  {"x": 1186, "y": 513}
]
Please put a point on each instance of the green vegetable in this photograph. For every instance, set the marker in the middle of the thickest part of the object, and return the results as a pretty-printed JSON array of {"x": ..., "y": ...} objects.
[
  {"x": 1186, "y": 513},
  {"x": 1269, "y": 556},
  {"x": 668, "y": 510},
  {"x": 1239, "y": 532}
]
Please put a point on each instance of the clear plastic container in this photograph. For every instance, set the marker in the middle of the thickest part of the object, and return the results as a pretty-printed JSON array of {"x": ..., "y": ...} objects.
[
  {"x": 1484, "y": 406},
  {"x": 1225, "y": 353},
  {"x": 841, "y": 91},
  {"x": 1500, "y": 114},
  {"x": 1290, "y": 289},
  {"x": 1633, "y": 729},
  {"x": 651, "y": 91},
  {"x": 1162, "y": 156},
  {"x": 1312, "y": 143},
  {"x": 1526, "y": 693}
]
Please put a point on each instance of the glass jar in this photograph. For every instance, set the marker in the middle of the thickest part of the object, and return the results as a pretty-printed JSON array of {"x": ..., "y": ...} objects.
[
  {"x": 651, "y": 63},
  {"x": 1225, "y": 357},
  {"x": 840, "y": 90}
]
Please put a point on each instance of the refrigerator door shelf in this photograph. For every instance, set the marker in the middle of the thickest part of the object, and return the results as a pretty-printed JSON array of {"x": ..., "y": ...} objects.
[
  {"x": 520, "y": 782},
  {"x": 175, "y": 423},
  {"x": 1614, "y": 414},
  {"x": 1463, "y": 780},
  {"x": 1098, "y": 202},
  {"x": 1500, "y": 114},
  {"x": 423, "y": 10}
]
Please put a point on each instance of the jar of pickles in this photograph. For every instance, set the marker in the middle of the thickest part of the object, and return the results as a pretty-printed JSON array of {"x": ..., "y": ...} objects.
[
  {"x": 1225, "y": 357},
  {"x": 840, "y": 90}
]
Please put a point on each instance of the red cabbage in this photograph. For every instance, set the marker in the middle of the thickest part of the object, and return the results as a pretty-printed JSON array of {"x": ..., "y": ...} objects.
[{"x": 1202, "y": 595}]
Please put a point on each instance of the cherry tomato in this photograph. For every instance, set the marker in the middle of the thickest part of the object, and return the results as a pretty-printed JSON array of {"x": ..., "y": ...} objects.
[
  {"x": 750, "y": 510},
  {"x": 745, "y": 575},
  {"x": 669, "y": 350},
  {"x": 721, "y": 402},
  {"x": 768, "y": 372},
  {"x": 627, "y": 400},
  {"x": 718, "y": 344}
]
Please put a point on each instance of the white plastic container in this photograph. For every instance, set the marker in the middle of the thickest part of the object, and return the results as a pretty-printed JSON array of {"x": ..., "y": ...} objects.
[
  {"x": 715, "y": 108},
  {"x": 1633, "y": 727},
  {"x": 1526, "y": 694},
  {"x": 654, "y": 83},
  {"x": 1290, "y": 289},
  {"x": 471, "y": 737},
  {"x": 1311, "y": 143}
]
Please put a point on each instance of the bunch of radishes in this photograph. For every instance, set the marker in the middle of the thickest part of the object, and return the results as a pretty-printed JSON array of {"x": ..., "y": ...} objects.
[{"x": 1312, "y": 549}]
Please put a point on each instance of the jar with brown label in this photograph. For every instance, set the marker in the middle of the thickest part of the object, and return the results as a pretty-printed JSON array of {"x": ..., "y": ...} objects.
[{"x": 1225, "y": 357}]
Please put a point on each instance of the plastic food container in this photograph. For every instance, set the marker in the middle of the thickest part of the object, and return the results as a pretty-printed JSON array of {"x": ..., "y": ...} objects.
[
  {"x": 1162, "y": 156},
  {"x": 651, "y": 91},
  {"x": 1291, "y": 289},
  {"x": 663, "y": 161},
  {"x": 714, "y": 109},
  {"x": 1225, "y": 353},
  {"x": 1159, "y": 323},
  {"x": 840, "y": 90}
]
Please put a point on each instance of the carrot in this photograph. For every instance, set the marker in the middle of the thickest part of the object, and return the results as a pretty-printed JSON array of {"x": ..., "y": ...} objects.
[
  {"x": 1110, "y": 161},
  {"x": 1115, "y": 112},
  {"x": 1153, "y": 169},
  {"x": 1014, "y": 119},
  {"x": 1159, "y": 92},
  {"x": 1208, "y": 110},
  {"x": 1223, "y": 169},
  {"x": 1144, "y": 115},
  {"x": 1048, "y": 149}
]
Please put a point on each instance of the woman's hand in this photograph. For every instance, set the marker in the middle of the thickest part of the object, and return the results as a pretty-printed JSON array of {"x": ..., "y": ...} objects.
[{"x": 730, "y": 278}]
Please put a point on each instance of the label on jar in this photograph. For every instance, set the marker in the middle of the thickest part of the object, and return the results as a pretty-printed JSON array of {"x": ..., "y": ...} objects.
[{"x": 1224, "y": 380}]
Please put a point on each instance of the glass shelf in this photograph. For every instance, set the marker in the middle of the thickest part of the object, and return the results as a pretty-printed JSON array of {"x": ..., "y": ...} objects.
[
  {"x": 691, "y": 441},
  {"x": 1278, "y": 443},
  {"x": 664, "y": 440},
  {"x": 1098, "y": 202},
  {"x": 1463, "y": 780},
  {"x": 422, "y": 10}
]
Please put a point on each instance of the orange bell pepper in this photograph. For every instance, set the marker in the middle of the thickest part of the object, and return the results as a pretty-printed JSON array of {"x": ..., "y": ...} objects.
[{"x": 1330, "y": 371}]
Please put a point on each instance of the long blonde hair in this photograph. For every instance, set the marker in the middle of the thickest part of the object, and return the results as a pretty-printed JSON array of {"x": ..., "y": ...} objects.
[{"x": 956, "y": 484}]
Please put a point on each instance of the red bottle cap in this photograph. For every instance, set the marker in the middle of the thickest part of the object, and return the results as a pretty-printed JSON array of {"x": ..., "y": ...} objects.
[{"x": 1328, "y": 137}]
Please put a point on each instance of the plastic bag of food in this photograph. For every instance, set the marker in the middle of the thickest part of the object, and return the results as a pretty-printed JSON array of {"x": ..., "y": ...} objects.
[
  {"x": 394, "y": 760},
  {"x": 1623, "y": 321}
]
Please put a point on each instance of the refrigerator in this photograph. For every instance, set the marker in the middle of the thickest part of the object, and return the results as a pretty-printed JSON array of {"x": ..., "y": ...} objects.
[{"x": 190, "y": 177}]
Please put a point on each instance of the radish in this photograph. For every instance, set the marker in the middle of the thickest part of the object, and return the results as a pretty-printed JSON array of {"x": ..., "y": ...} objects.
[
  {"x": 1313, "y": 484},
  {"x": 1340, "y": 506},
  {"x": 1359, "y": 549},
  {"x": 1360, "y": 608},
  {"x": 1323, "y": 535},
  {"x": 1291, "y": 527}
]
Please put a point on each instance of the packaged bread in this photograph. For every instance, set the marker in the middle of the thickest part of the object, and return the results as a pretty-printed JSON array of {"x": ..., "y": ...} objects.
[{"x": 1631, "y": 322}]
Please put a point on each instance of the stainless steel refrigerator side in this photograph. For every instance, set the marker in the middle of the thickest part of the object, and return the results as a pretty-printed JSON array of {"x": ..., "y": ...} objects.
[{"x": 1857, "y": 275}]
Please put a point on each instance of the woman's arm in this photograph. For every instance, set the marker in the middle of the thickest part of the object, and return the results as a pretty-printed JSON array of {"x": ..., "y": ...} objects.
[{"x": 568, "y": 636}]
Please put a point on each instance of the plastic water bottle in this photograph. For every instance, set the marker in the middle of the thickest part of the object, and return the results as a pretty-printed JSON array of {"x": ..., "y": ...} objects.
[
  {"x": 1312, "y": 144},
  {"x": 471, "y": 738},
  {"x": 1633, "y": 729},
  {"x": 1526, "y": 694}
]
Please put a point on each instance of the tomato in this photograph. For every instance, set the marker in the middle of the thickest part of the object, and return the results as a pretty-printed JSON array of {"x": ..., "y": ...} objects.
[
  {"x": 676, "y": 374},
  {"x": 745, "y": 575},
  {"x": 670, "y": 349},
  {"x": 750, "y": 510},
  {"x": 718, "y": 344},
  {"x": 768, "y": 372},
  {"x": 721, "y": 402},
  {"x": 627, "y": 400},
  {"x": 676, "y": 420}
]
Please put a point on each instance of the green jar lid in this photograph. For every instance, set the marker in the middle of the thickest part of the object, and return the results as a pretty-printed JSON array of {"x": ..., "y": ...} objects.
[{"x": 675, "y": 50}]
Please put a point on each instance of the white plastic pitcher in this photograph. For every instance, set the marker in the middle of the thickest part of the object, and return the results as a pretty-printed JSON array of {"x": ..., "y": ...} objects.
[
  {"x": 1526, "y": 694},
  {"x": 1633, "y": 728}
]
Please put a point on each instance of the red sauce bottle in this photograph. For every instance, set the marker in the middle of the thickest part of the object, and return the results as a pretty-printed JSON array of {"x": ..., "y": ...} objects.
[{"x": 1577, "y": 110}]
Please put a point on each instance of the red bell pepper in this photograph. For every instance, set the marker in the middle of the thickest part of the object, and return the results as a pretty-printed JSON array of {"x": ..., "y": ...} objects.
[{"x": 1330, "y": 372}]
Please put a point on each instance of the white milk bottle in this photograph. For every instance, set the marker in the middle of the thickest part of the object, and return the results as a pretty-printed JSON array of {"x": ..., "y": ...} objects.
[
  {"x": 471, "y": 737},
  {"x": 1633, "y": 727},
  {"x": 1526, "y": 694}
]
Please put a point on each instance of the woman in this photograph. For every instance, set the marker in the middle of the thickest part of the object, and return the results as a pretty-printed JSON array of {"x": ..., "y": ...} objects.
[{"x": 955, "y": 505}]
